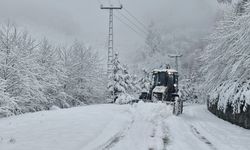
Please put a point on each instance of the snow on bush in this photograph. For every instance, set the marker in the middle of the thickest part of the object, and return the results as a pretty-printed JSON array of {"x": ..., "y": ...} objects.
[
  {"x": 227, "y": 60},
  {"x": 122, "y": 85},
  {"x": 144, "y": 81},
  {"x": 124, "y": 98},
  {"x": 234, "y": 94},
  {"x": 54, "y": 107},
  {"x": 188, "y": 91}
]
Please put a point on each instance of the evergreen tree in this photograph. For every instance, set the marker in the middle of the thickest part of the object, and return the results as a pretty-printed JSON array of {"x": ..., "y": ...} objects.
[
  {"x": 145, "y": 81},
  {"x": 121, "y": 84}
]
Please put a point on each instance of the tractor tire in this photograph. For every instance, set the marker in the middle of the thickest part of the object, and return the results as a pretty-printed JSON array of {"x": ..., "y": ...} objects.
[{"x": 178, "y": 106}]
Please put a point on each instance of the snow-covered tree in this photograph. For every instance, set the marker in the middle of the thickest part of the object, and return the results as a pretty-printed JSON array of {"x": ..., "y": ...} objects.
[
  {"x": 227, "y": 61},
  {"x": 8, "y": 106},
  {"x": 153, "y": 39},
  {"x": 17, "y": 68},
  {"x": 84, "y": 73},
  {"x": 52, "y": 76},
  {"x": 188, "y": 91},
  {"x": 36, "y": 75},
  {"x": 121, "y": 84},
  {"x": 144, "y": 81}
]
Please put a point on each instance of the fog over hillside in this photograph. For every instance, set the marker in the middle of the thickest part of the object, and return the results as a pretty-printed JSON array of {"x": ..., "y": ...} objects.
[{"x": 63, "y": 20}]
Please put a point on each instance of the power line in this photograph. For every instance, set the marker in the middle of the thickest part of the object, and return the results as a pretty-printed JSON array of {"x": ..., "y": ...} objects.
[
  {"x": 130, "y": 27},
  {"x": 134, "y": 17},
  {"x": 135, "y": 31},
  {"x": 137, "y": 20},
  {"x": 139, "y": 28},
  {"x": 143, "y": 30}
]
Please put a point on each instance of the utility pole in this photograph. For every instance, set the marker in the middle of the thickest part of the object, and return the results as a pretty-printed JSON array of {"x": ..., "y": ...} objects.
[
  {"x": 176, "y": 60},
  {"x": 111, "y": 36},
  {"x": 110, "y": 66}
]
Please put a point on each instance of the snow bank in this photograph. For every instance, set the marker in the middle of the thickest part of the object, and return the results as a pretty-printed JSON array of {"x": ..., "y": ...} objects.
[
  {"x": 54, "y": 108},
  {"x": 152, "y": 111},
  {"x": 124, "y": 98}
]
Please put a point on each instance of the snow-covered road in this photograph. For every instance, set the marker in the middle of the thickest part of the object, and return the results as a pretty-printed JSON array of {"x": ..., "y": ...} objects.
[
  {"x": 142, "y": 126},
  {"x": 198, "y": 129}
]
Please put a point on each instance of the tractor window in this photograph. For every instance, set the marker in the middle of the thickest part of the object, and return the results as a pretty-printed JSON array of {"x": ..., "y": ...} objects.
[
  {"x": 171, "y": 79},
  {"x": 175, "y": 78},
  {"x": 154, "y": 79},
  {"x": 162, "y": 79}
]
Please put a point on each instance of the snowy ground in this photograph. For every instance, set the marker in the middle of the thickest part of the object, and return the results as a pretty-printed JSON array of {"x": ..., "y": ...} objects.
[{"x": 138, "y": 127}]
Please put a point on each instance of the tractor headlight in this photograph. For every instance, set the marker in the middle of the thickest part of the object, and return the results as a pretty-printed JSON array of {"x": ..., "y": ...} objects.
[{"x": 175, "y": 86}]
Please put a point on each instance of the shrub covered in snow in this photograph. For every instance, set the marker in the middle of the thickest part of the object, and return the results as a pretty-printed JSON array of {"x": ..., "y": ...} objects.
[
  {"x": 122, "y": 85},
  {"x": 124, "y": 98},
  {"x": 54, "y": 107},
  {"x": 144, "y": 81},
  {"x": 188, "y": 91}
]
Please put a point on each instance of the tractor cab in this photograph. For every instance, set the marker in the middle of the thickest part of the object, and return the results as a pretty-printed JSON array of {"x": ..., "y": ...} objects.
[
  {"x": 164, "y": 87},
  {"x": 164, "y": 84},
  {"x": 165, "y": 77}
]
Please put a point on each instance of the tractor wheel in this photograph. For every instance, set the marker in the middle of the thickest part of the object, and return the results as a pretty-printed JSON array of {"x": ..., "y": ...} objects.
[
  {"x": 177, "y": 110},
  {"x": 154, "y": 99}
]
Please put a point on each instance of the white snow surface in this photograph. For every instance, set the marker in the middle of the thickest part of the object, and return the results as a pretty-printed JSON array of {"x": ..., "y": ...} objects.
[
  {"x": 124, "y": 98},
  {"x": 141, "y": 126}
]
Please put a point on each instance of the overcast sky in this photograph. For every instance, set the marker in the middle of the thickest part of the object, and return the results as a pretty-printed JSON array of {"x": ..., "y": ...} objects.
[{"x": 66, "y": 20}]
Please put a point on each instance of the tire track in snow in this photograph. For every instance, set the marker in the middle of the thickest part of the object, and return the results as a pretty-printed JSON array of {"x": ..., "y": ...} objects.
[
  {"x": 116, "y": 138},
  {"x": 159, "y": 135},
  {"x": 165, "y": 138},
  {"x": 201, "y": 137},
  {"x": 112, "y": 133},
  {"x": 146, "y": 125}
]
